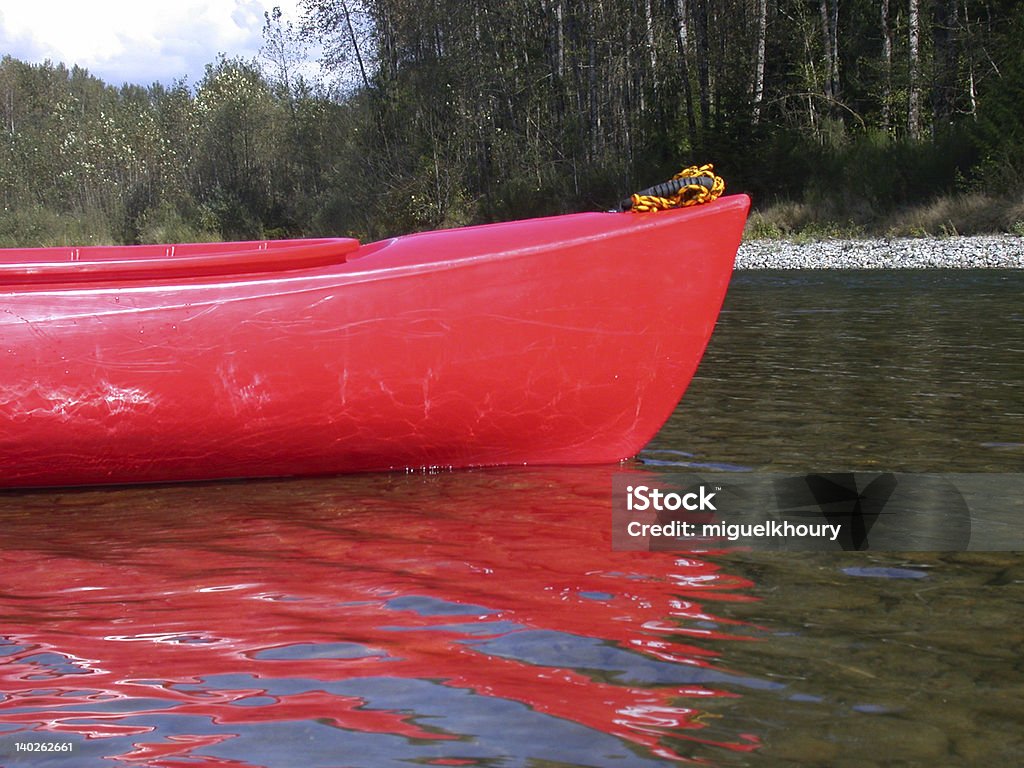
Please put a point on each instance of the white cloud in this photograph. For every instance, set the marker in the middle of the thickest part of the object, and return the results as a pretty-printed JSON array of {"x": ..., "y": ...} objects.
[{"x": 136, "y": 41}]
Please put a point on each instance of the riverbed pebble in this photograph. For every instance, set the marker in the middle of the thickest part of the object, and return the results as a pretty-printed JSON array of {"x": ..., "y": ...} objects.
[{"x": 995, "y": 251}]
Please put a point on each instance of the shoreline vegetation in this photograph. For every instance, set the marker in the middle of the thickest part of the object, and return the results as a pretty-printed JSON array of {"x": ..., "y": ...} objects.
[
  {"x": 841, "y": 120},
  {"x": 953, "y": 215}
]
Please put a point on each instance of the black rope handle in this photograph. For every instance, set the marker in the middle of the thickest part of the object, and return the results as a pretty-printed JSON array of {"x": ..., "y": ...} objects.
[{"x": 668, "y": 188}]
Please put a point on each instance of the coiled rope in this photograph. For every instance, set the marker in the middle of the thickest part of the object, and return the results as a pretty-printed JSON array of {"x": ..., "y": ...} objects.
[{"x": 691, "y": 186}]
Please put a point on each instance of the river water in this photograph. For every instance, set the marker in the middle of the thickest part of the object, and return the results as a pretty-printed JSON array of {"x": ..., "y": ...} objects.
[{"x": 480, "y": 618}]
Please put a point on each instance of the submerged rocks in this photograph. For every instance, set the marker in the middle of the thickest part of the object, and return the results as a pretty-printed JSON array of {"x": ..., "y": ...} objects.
[{"x": 996, "y": 251}]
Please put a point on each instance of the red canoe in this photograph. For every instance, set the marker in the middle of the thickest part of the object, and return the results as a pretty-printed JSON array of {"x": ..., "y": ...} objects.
[{"x": 564, "y": 340}]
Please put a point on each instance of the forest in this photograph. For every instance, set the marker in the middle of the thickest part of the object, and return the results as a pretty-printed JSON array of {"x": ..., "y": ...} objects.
[{"x": 837, "y": 116}]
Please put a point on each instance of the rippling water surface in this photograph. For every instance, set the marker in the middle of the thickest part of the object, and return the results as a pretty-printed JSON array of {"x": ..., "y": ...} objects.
[{"x": 480, "y": 618}]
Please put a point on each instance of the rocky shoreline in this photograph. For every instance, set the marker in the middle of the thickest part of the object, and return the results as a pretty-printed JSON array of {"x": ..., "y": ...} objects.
[{"x": 986, "y": 252}]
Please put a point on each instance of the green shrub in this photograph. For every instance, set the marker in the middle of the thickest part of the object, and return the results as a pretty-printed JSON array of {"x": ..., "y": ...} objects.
[{"x": 38, "y": 227}]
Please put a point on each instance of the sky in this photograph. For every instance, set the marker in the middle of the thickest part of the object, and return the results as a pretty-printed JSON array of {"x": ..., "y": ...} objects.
[{"x": 136, "y": 41}]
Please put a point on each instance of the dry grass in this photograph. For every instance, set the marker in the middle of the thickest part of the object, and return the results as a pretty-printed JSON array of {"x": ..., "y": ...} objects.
[{"x": 961, "y": 214}]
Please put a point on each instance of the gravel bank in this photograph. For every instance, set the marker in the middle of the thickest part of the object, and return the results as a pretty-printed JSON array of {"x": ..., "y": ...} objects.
[{"x": 997, "y": 251}]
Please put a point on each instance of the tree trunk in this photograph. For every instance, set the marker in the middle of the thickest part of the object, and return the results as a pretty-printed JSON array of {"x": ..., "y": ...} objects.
[
  {"x": 355, "y": 45},
  {"x": 759, "y": 57},
  {"x": 682, "y": 12},
  {"x": 652, "y": 52},
  {"x": 914, "y": 52},
  {"x": 703, "y": 68},
  {"x": 887, "y": 68},
  {"x": 972, "y": 94},
  {"x": 560, "y": 38},
  {"x": 811, "y": 78},
  {"x": 944, "y": 36},
  {"x": 830, "y": 38}
]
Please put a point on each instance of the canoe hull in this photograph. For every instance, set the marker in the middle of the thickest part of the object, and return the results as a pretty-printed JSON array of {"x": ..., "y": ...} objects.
[{"x": 424, "y": 351}]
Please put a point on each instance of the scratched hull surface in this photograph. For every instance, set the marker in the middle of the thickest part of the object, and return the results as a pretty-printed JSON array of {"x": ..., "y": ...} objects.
[{"x": 561, "y": 340}]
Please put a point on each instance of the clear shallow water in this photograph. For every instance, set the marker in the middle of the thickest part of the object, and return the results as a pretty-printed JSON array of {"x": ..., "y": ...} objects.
[
  {"x": 904, "y": 370},
  {"x": 480, "y": 618}
]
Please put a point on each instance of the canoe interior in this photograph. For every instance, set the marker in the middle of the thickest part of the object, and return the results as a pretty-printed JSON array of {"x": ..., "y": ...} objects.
[{"x": 153, "y": 262}]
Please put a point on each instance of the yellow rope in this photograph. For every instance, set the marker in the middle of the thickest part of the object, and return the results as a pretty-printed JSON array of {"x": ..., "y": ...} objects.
[{"x": 694, "y": 194}]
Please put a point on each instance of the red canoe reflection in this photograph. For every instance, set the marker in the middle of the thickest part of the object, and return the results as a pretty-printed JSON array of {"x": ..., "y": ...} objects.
[{"x": 162, "y": 625}]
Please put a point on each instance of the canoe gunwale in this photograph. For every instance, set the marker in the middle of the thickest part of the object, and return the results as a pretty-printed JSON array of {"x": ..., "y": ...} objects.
[{"x": 285, "y": 261}]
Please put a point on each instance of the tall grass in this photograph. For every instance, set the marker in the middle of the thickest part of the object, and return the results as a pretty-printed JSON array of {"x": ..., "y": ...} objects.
[
  {"x": 944, "y": 216},
  {"x": 872, "y": 184}
]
